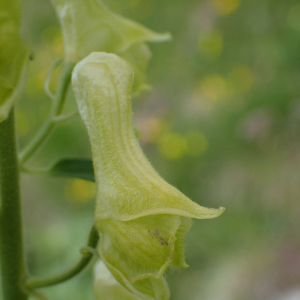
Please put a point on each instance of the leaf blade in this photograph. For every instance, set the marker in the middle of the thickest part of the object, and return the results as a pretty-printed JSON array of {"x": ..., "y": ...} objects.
[{"x": 73, "y": 167}]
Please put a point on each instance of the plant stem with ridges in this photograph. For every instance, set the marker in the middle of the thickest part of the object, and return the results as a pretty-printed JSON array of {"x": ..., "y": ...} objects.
[{"x": 13, "y": 271}]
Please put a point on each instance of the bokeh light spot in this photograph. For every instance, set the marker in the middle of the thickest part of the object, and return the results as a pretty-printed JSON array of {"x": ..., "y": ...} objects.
[
  {"x": 80, "y": 191},
  {"x": 213, "y": 88},
  {"x": 197, "y": 143},
  {"x": 225, "y": 7},
  {"x": 211, "y": 44},
  {"x": 172, "y": 145}
]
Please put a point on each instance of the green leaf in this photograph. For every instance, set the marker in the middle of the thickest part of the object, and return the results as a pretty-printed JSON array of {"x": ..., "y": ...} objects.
[{"x": 74, "y": 167}]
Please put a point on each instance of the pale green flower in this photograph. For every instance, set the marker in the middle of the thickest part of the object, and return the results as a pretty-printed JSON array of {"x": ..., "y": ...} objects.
[
  {"x": 13, "y": 56},
  {"x": 141, "y": 219},
  {"x": 106, "y": 287},
  {"x": 89, "y": 26}
]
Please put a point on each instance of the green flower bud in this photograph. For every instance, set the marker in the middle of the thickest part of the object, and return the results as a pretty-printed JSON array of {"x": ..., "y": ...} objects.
[
  {"x": 13, "y": 56},
  {"x": 141, "y": 219},
  {"x": 106, "y": 287},
  {"x": 89, "y": 26}
]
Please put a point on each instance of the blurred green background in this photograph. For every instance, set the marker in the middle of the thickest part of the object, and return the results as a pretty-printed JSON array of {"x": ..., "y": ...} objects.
[{"x": 222, "y": 124}]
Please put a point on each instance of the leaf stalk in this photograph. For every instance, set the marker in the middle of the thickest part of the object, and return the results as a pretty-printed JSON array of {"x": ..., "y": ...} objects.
[
  {"x": 50, "y": 125},
  {"x": 70, "y": 273}
]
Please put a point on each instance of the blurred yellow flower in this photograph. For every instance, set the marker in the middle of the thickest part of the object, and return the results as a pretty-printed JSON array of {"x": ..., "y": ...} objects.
[
  {"x": 172, "y": 145},
  {"x": 211, "y": 44},
  {"x": 79, "y": 190},
  {"x": 225, "y": 7},
  {"x": 214, "y": 88}
]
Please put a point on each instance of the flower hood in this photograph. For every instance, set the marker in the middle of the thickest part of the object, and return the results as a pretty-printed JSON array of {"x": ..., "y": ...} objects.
[{"x": 142, "y": 220}]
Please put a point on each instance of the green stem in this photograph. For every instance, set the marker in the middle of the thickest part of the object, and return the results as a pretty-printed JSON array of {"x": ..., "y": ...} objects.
[
  {"x": 49, "y": 126},
  {"x": 13, "y": 270},
  {"x": 37, "y": 295},
  {"x": 48, "y": 78},
  {"x": 77, "y": 268}
]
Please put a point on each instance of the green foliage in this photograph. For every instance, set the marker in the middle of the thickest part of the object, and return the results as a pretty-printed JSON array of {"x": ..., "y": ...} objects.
[{"x": 73, "y": 167}]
